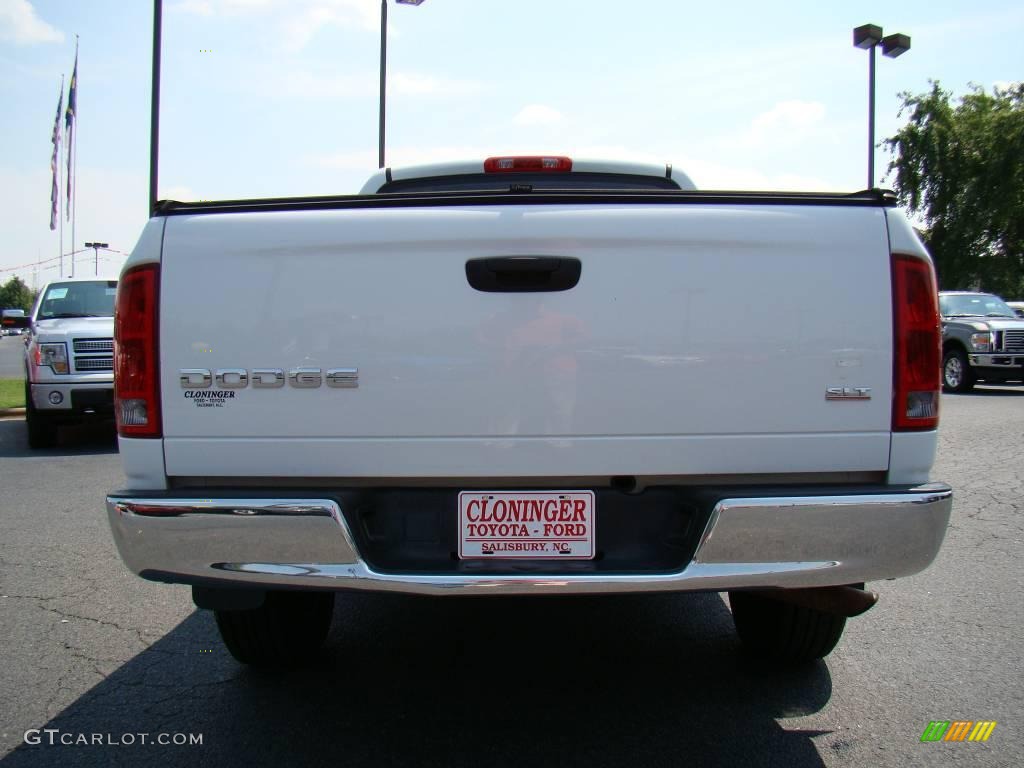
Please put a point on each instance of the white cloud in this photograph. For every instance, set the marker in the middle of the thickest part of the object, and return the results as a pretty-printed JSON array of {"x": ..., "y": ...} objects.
[
  {"x": 794, "y": 113},
  {"x": 538, "y": 114},
  {"x": 197, "y": 7},
  {"x": 19, "y": 23},
  {"x": 786, "y": 122},
  {"x": 955, "y": 29},
  {"x": 398, "y": 157},
  {"x": 180, "y": 193},
  {"x": 310, "y": 85},
  {"x": 617, "y": 152},
  {"x": 346, "y": 172},
  {"x": 706, "y": 175},
  {"x": 243, "y": 6},
  {"x": 305, "y": 24},
  {"x": 709, "y": 175},
  {"x": 416, "y": 84},
  {"x": 300, "y": 20},
  {"x": 346, "y": 161}
]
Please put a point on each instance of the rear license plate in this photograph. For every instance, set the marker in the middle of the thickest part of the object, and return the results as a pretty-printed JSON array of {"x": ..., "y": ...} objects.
[{"x": 530, "y": 524}]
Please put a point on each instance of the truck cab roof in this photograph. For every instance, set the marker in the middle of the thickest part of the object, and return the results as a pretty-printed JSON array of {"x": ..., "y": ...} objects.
[{"x": 501, "y": 173}]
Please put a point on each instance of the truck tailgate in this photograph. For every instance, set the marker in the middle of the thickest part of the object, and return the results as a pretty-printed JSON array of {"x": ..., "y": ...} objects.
[{"x": 700, "y": 339}]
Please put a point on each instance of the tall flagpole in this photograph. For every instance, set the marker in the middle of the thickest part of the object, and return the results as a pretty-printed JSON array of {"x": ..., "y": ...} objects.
[
  {"x": 74, "y": 160},
  {"x": 60, "y": 210},
  {"x": 60, "y": 187}
]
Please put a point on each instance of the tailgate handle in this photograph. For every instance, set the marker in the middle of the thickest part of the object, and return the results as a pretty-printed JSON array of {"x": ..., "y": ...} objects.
[{"x": 518, "y": 274}]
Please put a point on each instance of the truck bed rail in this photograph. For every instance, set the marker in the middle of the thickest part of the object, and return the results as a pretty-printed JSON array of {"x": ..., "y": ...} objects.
[{"x": 866, "y": 198}]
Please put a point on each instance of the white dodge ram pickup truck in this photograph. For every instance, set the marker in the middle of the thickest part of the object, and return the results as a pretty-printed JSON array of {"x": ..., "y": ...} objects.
[{"x": 529, "y": 376}]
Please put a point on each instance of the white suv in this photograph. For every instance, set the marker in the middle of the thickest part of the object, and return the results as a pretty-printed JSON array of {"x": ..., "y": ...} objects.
[{"x": 69, "y": 357}]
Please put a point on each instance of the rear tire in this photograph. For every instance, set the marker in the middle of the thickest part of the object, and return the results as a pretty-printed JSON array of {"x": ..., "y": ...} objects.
[
  {"x": 957, "y": 374},
  {"x": 42, "y": 432},
  {"x": 287, "y": 629},
  {"x": 778, "y": 631}
]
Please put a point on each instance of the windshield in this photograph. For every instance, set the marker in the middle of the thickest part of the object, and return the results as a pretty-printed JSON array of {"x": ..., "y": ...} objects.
[
  {"x": 975, "y": 304},
  {"x": 94, "y": 298}
]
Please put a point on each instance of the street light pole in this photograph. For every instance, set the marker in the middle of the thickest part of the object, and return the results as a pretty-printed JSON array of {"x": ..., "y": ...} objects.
[
  {"x": 383, "y": 78},
  {"x": 869, "y": 36},
  {"x": 96, "y": 253},
  {"x": 383, "y": 72},
  {"x": 871, "y": 118}
]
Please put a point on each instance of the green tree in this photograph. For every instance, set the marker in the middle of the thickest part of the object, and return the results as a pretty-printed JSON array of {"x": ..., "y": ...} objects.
[
  {"x": 960, "y": 169},
  {"x": 14, "y": 294}
]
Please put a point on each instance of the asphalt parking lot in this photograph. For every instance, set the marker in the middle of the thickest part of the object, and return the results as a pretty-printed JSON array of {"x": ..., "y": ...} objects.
[{"x": 88, "y": 649}]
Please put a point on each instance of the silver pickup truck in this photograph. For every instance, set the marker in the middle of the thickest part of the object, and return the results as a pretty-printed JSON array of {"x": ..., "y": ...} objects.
[
  {"x": 982, "y": 340},
  {"x": 69, "y": 357}
]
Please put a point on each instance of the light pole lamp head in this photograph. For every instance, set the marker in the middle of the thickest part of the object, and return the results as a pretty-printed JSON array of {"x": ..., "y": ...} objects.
[
  {"x": 895, "y": 45},
  {"x": 867, "y": 36},
  {"x": 408, "y": 2}
]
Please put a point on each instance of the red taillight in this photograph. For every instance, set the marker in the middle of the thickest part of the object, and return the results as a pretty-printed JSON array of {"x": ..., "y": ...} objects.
[
  {"x": 136, "y": 371},
  {"x": 917, "y": 337},
  {"x": 527, "y": 164}
]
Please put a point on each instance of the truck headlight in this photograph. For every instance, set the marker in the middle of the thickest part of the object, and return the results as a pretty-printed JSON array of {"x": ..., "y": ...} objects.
[
  {"x": 53, "y": 355},
  {"x": 982, "y": 342}
]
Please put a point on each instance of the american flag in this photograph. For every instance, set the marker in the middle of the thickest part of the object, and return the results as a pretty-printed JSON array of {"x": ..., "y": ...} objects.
[
  {"x": 69, "y": 125},
  {"x": 55, "y": 190}
]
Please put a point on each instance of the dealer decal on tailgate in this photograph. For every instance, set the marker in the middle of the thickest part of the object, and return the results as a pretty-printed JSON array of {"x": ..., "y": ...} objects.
[{"x": 512, "y": 524}]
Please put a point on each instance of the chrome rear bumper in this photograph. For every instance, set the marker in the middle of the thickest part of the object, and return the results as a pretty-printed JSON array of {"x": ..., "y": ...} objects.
[{"x": 792, "y": 541}]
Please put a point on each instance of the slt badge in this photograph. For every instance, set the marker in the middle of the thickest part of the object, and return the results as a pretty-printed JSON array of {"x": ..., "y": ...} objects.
[{"x": 848, "y": 393}]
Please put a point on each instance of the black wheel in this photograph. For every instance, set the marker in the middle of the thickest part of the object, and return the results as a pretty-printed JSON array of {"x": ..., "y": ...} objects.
[
  {"x": 42, "y": 432},
  {"x": 957, "y": 374},
  {"x": 772, "y": 629},
  {"x": 284, "y": 631}
]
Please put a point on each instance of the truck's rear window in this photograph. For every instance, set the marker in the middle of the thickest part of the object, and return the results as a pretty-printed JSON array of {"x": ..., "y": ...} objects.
[{"x": 486, "y": 182}]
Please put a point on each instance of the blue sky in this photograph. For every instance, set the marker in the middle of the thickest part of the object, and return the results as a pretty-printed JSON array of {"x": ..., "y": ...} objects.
[{"x": 279, "y": 97}]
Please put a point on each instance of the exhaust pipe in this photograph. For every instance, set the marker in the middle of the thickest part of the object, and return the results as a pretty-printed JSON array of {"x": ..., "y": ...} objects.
[{"x": 845, "y": 601}]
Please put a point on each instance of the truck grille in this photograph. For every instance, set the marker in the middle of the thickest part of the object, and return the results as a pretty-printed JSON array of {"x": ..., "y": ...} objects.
[
  {"x": 94, "y": 363},
  {"x": 1013, "y": 341},
  {"x": 94, "y": 345}
]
